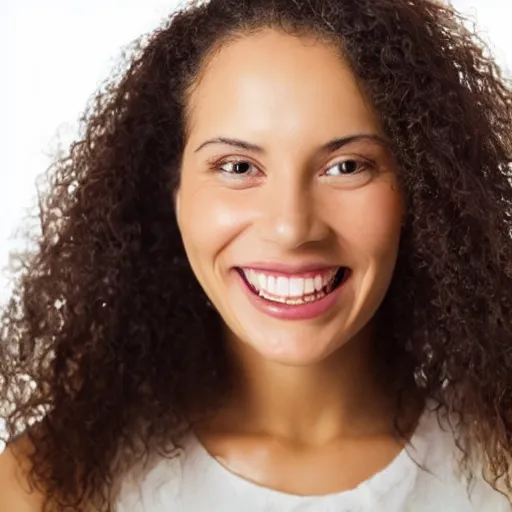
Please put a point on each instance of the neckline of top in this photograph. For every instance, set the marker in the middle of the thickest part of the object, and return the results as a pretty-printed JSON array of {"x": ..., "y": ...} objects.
[{"x": 410, "y": 457}]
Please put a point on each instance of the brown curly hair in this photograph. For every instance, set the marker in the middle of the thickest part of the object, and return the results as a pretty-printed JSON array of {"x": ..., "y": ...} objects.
[{"x": 108, "y": 346}]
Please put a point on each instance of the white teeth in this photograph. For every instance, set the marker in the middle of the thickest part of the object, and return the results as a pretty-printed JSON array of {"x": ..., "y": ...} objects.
[
  {"x": 290, "y": 289},
  {"x": 296, "y": 287},
  {"x": 309, "y": 285},
  {"x": 282, "y": 288},
  {"x": 252, "y": 277},
  {"x": 271, "y": 285}
]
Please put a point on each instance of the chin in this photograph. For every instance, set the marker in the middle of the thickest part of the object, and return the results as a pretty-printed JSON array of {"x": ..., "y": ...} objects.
[{"x": 296, "y": 351}]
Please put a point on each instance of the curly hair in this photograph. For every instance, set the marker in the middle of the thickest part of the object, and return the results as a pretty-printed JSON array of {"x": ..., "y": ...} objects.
[{"x": 108, "y": 345}]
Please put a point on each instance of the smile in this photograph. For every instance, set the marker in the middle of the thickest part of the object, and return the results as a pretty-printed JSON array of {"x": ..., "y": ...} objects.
[{"x": 296, "y": 289}]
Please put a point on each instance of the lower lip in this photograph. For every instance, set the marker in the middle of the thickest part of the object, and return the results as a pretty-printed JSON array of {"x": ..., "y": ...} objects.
[{"x": 304, "y": 311}]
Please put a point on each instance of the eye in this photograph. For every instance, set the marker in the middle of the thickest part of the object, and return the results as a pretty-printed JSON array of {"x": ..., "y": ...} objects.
[
  {"x": 237, "y": 167},
  {"x": 346, "y": 167}
]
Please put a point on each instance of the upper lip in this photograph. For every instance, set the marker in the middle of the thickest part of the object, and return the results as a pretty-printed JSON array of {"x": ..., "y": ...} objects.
[{"x": 290, "y": 268}]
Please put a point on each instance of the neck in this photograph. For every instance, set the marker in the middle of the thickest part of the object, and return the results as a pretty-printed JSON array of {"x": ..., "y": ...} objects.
[{"x": 341, "y": 395}]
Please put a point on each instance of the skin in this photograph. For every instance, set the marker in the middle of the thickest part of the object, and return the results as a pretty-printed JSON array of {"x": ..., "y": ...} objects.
[
  {"x": 16, "y": 494},
  {"x": 311, "y": 415},
  {"x": 309, "y": 400}
]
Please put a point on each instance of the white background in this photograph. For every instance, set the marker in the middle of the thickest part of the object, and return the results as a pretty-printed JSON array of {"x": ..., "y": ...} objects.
[{"x": 53, "y": 55}]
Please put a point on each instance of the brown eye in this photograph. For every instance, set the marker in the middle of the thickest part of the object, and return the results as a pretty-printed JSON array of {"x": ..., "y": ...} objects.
[
  {"x": 344, "y": 167},
  {"x": 239, "y": 167}
]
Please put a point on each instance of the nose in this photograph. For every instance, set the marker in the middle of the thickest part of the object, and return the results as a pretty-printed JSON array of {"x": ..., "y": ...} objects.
[{"x": 290, "y": 214}]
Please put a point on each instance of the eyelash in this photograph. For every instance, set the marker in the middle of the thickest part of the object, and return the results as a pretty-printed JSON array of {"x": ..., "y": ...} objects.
[{"x": 362, "y": 165}]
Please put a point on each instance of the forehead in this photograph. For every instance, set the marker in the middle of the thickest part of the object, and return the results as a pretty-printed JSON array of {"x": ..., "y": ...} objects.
[{"x": 275, "y": 83}]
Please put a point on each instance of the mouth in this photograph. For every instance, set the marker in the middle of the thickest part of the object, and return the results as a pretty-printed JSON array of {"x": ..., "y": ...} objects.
[{"x": 294, "y": 290}]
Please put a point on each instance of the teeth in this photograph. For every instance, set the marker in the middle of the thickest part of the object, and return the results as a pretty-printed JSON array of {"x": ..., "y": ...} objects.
[
  {"x": 282, "y": 286},
  {"x": 271, "y": 285},
  {"x": 297, "y": 286},
  {"x": 309, "y": 286},
  {"x": 290, "y": 289},
  {"x": 294, "y": 300}
]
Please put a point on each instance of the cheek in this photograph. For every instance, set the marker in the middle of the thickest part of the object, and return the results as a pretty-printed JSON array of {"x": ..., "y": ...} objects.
[
  {"x": 372, "y": 221},
  {"x": 209, "y": 219}
]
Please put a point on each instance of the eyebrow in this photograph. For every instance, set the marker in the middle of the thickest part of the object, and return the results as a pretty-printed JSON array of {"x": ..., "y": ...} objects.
[{"x": 329, "y": 147}]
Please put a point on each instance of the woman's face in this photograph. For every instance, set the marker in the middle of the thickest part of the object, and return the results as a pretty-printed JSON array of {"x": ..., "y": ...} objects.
[{"x": 292, "y": 221}]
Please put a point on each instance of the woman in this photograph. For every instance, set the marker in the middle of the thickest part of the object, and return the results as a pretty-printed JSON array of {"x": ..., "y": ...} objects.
[{"x": 275, "y": 274}]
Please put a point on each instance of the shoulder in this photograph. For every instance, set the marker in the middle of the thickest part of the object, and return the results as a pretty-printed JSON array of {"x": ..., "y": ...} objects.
[
  {"x": 158, "y": 482},
  {"x": 16, "y": 494},
  {"x": 443, "y": 477}
]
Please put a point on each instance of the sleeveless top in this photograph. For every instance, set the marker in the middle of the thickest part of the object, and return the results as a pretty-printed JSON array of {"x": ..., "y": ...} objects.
[{"x": 424, "y": 477}]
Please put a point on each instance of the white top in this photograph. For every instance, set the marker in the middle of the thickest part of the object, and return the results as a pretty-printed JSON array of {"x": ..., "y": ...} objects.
[{"x": 195, "y": 481}]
